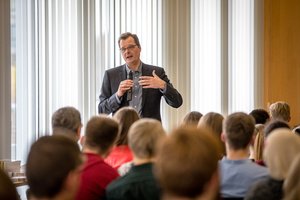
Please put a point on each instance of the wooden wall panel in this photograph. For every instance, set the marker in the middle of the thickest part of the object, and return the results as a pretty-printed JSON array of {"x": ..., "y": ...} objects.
[{"x": 282, "y": 54}]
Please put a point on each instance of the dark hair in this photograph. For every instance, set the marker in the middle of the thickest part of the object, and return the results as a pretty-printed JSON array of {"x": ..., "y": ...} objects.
[
  {"x": 7, "y": 189},
  {"x": 50, "y": 160},
  {"x": 125, "y": 116},
  {"x": 261, "y": 116},
  {"x": 274, "y": 124},
  {"x": 101, "y": 132},
  {"x": 126, "y": 35},
  {"x": 239, "y": 129}
]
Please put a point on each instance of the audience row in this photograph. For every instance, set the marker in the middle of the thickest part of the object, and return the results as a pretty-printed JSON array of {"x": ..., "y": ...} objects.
[{"x": 240, "y": 156}]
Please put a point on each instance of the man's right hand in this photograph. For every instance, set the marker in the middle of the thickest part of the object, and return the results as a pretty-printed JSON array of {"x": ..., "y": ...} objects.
[{"x": 124, "y": 86}]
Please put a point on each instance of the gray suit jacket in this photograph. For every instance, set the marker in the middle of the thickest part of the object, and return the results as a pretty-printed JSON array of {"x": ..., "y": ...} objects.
[{"x": 151, "y": 98}]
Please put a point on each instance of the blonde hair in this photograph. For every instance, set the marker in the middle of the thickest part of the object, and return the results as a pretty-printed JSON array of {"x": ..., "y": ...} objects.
[
  {"x": 143, "y": 136},
  {"x": 259, "y": 142},
  {"x": 281, "y": 149},
  {"x": 280, "y": 110},
  {"x": 291, "y": 186}
]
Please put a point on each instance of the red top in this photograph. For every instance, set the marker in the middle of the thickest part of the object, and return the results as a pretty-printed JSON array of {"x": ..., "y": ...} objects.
[
  {"x": 118, "y": 156},
  {"x": 95, "y": 176}
]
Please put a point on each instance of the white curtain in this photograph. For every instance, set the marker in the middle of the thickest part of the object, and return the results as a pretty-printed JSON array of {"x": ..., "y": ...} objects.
[{"x": 64, "y": 47}]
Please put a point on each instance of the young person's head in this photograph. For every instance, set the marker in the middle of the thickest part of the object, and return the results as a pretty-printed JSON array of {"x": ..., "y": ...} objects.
[
  {"x": 192, "y": 118},
  {"x": 53, "y": 167},
  {"x": 187, "y": 163},
  {"x": 143, "y": 137},
  {"x": 67, "y": 121},
  {"x": 238, "y": 130},
  {"x": 280, "y": 110},
  {"x": 281, "y": 149},
  {"x": 125, "y": 117},
  {"x": 261, "y": 116},
  {"x": 274, "y": 124},
  {"x": 100, "y": 134}
]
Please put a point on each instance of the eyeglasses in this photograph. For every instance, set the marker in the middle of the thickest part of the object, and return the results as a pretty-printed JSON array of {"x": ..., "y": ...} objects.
[{"x": 130, "y": 47}]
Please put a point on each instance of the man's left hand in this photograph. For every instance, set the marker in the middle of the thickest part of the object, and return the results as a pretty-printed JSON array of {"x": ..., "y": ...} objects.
[{"x": 152, "y": 81}]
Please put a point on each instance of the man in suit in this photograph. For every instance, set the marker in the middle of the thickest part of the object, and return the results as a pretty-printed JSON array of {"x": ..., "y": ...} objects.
[{"x": 136, "y": 84}]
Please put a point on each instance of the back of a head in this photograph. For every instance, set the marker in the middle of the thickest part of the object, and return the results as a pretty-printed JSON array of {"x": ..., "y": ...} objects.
[
  {"x": 261, "y": 116},
  {"x": 214, "y": 121},
  {"x": 280, "y": 110},
  {"x": 7, "y": 189},
  {"x": 291, "y": 184},
  {"x": 239, "y": 129},
  {"x": 66, "y": 120},
  {"x": 143, "y": 137},
  {"x": 125, "y": 116},
  {"x": 281, "y": 149},
  {"x": 187, "y": 159},
  {"x": 192, "y": 118},
  {"x": 50, "y": 160},
  {"x": 101, "y": 132},
  {"x": 274, "y": 124}
]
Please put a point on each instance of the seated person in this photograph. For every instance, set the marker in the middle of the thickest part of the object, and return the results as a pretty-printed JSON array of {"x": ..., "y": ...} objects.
[
  {"x": 187, "y": 165},
  {"x": 260, "y": 116},
  {"x": 100, "y": 135},
  {"x": 139, "y": 183},
  {"x": 238, "y": 172},
  {"x": 121, "y": 153},
  {"x": 282, "y": 148},
  {"x": 53, "y": 168},
  {"x": 67, "y": 121},
  {"x": 280, "y": 110}
]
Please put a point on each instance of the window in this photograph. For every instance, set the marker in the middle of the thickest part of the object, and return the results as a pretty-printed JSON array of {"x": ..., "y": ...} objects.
[{"x": 62, "y": 51}]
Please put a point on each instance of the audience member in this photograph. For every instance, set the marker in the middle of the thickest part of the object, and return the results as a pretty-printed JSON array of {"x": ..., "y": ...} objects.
[
  {"x": 187, "y": 164},
  {"x": 238, "y": 172},
  {"x": 53, "y": 168},
  {"x": 214, "y": 121},
  {"x": 7, "y": 189},
  {"x": 192, "y": 118},
  {"x": 139, "y": 183},
  {"x": 291, "y": 184},
  {"x": 261, "y": 116},
  {"x": 121, "y": 153},
  {"x": 100, "y": 136},
  {"x": 282, "y": 148},
  {"x": 280, "y": 111},
  {"x": 67, "y": 121},
  {"x": 274, "y": 124}
]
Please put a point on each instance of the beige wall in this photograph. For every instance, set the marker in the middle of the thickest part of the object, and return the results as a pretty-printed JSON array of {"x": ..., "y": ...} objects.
[{"x": 282, "y": 54}]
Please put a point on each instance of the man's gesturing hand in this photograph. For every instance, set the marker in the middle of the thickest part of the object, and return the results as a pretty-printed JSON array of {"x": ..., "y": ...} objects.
[{"x": 152, "y": 81}]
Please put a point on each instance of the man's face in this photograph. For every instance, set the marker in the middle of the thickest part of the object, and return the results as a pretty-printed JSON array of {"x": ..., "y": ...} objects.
[{"x": 130, "y": 52}]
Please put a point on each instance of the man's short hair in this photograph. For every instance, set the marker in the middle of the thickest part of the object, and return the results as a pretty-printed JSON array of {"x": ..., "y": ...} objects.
[
  {"x": 143, "y": 136},
  {"x": 186, "y": 161},
  {"x": 280, "y": 110},
  {"x": 261, "y": 116},
  {"x": 126, "y": 35},
  {"x": 7, "y": 188},
  {"x": 50, "y": 160},
  {"x": 101, "y": 132},
  {"x": 66, "y": 118},
  {"x": 274, "y": 124},
  {"x": 239, "y": 128}
]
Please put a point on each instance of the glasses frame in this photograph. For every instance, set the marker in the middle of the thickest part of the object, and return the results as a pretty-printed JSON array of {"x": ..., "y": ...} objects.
[{"x": 130, "y": 47}]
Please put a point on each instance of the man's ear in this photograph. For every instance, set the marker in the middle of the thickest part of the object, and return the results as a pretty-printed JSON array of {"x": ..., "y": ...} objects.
[{"x": 78, "y": 132}]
